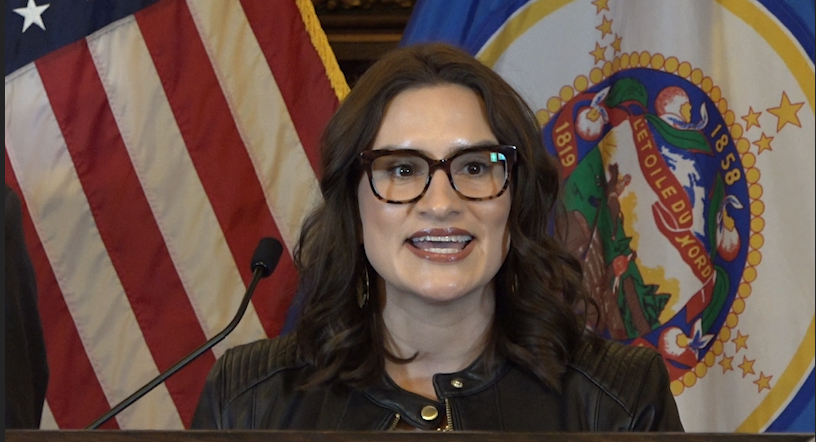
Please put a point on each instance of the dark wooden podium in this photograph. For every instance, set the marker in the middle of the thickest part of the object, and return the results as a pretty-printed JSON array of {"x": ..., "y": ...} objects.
[{"x": 314, "y": 436}]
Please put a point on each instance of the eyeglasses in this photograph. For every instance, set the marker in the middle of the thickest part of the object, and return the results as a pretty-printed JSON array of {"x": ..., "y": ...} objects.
[{"x": 401, "y": 176}]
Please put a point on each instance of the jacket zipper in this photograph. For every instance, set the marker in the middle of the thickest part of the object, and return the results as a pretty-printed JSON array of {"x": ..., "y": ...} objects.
[
  {"x": 448, "y": 415},
  {"x": 394, "y": 422}
]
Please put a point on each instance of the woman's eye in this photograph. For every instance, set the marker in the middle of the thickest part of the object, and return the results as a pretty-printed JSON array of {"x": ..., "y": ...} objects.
[
  {"x": 402, "y": 170},
  {"x": 476, "y": 168}
]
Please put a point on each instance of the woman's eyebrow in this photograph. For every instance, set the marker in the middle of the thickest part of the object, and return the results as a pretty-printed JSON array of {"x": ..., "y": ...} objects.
[
  {"x": 452, "y": 150},
  {"x": 458, "y": 148}
]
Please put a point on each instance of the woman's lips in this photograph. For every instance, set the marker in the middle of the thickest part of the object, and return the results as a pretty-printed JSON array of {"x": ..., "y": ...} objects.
[{"x": 449, "y": 245}]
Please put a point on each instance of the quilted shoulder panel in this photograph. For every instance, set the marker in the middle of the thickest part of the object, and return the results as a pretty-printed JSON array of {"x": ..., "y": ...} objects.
[
  {"x": 620, "y": 370},
  {"x": 246, "y": 365}
]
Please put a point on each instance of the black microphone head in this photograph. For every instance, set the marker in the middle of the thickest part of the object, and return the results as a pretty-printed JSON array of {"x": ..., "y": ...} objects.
[{"x": 266, "y": 256}]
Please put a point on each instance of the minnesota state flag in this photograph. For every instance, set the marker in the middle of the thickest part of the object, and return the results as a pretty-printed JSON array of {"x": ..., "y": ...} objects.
[{"x": 684, "y": 131}]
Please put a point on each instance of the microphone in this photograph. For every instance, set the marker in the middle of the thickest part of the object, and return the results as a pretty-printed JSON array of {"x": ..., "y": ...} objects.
[{"x": 264, "y": 260}]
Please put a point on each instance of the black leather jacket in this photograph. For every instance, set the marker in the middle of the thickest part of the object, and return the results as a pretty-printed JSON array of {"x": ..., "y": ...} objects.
[{"x": 611, "y": 388}]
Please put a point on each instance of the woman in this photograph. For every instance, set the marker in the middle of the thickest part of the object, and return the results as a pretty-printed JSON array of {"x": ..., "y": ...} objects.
[{"x": 434, "y": 297}]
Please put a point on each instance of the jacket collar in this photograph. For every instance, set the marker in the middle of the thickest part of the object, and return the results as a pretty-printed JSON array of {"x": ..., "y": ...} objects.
[{"x": 476, "y": 377}]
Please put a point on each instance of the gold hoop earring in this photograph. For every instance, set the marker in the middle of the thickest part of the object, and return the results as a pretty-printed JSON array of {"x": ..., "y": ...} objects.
[{"x": 363, "y": 288}]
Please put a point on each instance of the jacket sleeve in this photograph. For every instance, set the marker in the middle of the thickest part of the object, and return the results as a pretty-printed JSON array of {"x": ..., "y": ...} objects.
[
  {"x": 655, "y": 409},
  {"x": 228, "y": 400},
  {"x": 208, "y": 414},
  {"x": 620, "y": 388}
]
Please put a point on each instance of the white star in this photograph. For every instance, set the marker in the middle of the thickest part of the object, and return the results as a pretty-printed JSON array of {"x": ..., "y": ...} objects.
[{"x": 32, "y": 14}]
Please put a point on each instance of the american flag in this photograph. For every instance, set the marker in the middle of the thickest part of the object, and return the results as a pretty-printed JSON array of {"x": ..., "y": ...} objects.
[{"x": 153, "y": 143}]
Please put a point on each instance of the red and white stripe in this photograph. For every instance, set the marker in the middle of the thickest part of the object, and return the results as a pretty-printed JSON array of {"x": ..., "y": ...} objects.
[{"x": 151, "y": 157}]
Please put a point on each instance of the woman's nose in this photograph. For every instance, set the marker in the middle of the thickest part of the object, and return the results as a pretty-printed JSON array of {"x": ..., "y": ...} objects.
[{"x": 441, "y": 199}]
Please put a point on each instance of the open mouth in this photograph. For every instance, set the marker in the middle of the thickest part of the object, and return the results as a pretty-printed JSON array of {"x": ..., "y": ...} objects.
[{"x": 443, "y": 245}]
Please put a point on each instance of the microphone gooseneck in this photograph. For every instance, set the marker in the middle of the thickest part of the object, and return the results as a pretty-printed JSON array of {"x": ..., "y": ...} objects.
[{"x": 264, "y": 260}]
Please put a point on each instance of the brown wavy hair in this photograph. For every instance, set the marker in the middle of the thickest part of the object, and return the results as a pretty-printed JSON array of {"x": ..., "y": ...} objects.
[{"x": 539, "y": 293}]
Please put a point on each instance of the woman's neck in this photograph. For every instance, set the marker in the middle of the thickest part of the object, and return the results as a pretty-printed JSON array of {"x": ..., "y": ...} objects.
[{"x": 445, "y": 338}]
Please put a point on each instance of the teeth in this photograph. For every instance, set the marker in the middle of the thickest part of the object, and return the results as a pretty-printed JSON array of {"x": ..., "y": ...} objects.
[
  {"x": 436, "y": 244},
  {"x": 443, "y": 251},
  {"x": 452, "y": 238}
]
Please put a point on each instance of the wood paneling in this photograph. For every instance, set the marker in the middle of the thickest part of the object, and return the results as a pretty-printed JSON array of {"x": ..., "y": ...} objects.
[{"x": 360, "y": 31}]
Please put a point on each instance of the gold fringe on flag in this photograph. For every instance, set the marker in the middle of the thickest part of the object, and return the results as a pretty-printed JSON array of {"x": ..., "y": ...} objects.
[{"x": 321, "y": 45}]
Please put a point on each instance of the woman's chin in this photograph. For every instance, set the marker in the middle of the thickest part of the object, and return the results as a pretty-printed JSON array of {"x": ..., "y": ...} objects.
[{"x": 443, "y": 293}]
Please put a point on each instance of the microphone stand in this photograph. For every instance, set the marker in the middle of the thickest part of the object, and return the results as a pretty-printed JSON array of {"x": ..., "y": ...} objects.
[{"x": 259, "y": 272}]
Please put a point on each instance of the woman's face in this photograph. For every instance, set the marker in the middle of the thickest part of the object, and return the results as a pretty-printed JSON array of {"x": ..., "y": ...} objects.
[{"x": 470, "y": 238}]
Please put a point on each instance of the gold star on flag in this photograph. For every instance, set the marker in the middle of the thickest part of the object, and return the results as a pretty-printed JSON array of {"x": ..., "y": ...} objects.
[
  {"x": 752, "y": 119},
  {"x": 726, "y": 363},
  {"x": 747, "y": 366},
  {"x": 617, "y": 43},
  {"x": 601, "y": 5},
  {"x": 598, "y": 53},
  {"x": 740, "y": 341},
  {"x": 764, "y": 143},
  {"x": 605, "y": 27},
  {"x": 763, "y": 382},
  {"x": 786, "y": 112}
]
